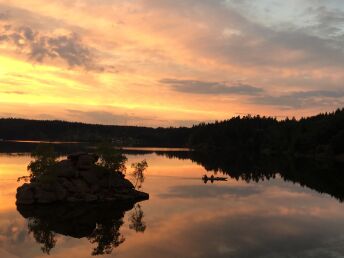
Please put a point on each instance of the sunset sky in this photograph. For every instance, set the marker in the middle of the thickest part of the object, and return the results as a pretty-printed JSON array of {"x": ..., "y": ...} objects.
[{"x": 170, "y": 62}]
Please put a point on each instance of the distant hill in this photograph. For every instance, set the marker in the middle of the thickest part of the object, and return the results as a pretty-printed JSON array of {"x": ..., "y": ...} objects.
[{"x": 318, "y": 136}]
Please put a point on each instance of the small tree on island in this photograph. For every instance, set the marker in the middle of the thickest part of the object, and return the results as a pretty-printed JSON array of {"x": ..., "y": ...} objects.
[
  {"x": 111, "y": 158},
  {"x": 45, "y": 160},
  {"x": 138, "y": 173}
]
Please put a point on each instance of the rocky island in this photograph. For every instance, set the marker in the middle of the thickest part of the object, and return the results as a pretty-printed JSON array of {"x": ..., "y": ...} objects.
[{"x": 79, "y": 178}]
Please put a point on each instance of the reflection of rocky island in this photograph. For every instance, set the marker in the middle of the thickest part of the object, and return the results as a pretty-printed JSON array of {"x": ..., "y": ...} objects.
[
  {"x": 99, "y": 222},
  {"x": 76, "y": 179}
]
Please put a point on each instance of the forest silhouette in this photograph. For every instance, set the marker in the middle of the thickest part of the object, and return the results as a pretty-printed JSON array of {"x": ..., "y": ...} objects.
[{"x": 318, "y": 136}]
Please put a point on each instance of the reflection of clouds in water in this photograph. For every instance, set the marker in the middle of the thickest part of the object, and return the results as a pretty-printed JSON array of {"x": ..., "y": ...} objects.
[
  {"x": 243, "y": 234},
  {"x": 5, "y": 254},
  {"x": 14, "y": 237},
  {"x": 13, "y": 231},
  {"x": 233, "y": 219},
  {"x": 210, "y": 191}
]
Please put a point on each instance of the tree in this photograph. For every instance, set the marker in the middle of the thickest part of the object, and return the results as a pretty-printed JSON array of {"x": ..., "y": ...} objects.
[
  {"x": 111, "y": 158},
  {"x": 138, "y": 173},
  {"x": 45, "y": 160}
]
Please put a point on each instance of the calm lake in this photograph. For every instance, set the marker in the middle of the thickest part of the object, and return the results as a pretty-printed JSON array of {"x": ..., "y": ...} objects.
[{"x": 265, "y": 215}]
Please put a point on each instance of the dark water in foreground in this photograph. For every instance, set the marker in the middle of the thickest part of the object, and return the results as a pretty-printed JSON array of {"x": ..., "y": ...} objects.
[{"x": 183, "y": 218}]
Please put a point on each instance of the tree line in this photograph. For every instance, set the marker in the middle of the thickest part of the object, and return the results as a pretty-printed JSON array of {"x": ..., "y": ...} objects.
[{"x": 318, "y": 136}]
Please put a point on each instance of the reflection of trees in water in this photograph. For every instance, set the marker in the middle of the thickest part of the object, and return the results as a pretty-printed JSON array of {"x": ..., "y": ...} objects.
[
  {"x": 107, "y": 236},
  {"x": 136, "y": 219},
  {"x": 99, "y": 223},
  {"x": 324, "y": 176},
  {"x": 42, "y": 234}
]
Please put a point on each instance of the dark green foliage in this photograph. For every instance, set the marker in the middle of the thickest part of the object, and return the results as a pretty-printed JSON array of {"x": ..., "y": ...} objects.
[
  {"x": 24, "y": 129},
  {"x": 138, "y": 173},
  {"x": 318, "y": 136},
  {"x": 43, "y": 165},
  {"x": 111, "y": 158},
  {"x": 321, "y": 135}
]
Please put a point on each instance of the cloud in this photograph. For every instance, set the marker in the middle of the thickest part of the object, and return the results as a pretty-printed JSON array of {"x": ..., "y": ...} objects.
[
  {"x": 38, "y": 48},
  {"x": 17, "y": 92},
  {"x": 125, "y": 118},
  {"x": 107, "y": 118},
  {"x": 327, "y": 22},
  {"x": 204, "y": 87},
  {"x": 254, "y": 43},
  {"x": 4, "y": 16},
  {"x": 302, "y": 99}
]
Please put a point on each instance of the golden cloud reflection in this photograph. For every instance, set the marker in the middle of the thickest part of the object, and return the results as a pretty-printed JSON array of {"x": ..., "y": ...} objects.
[{"x": 184, "y": 217}]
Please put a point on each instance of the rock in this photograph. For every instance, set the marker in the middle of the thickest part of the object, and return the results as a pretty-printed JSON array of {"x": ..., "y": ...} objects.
[
  {"x": 80, "y": 186},
  {"x": 95, "y": 188},
  {"x": 25, "y": 194},
  {"x": 85, "y": 162},
  {"x": 67, "y": 184},
  {"x": 89, "y": 176},
  {"x": 99, "y": 171},
  {"x": 89, "y": 197},
  {"x": 66, "y": 169},
  {"x": 103, "y": 183},
  {"x": 73, "y": 199},
  {"x": 42, "y": 196},
  {"x": 117, "y": 183},
  {"x": 79, "y": 179},
  {"x": 126, "y": 184},
  {"x": 60, "y": 192}
]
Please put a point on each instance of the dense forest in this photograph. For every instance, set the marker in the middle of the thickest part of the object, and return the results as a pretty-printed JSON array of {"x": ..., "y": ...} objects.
[
  {"x": 37, "y": 130},
  {"x": 317, "y": 136}
]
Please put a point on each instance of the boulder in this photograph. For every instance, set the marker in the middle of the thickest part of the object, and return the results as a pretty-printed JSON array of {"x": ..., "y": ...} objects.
[
  {"x": 89, "y": 197},
  {"x": 25, "y": 194},
  {"x": 89, "y": 176},
  {"x": 61, "y": 192},
  {"x": 66, "y": 169},
  {"x": 80, "y": 186},
  {"x": 79, "y": 179},
  {"x": 67, "y": 184},
  {"x": 44, "y": 197}
]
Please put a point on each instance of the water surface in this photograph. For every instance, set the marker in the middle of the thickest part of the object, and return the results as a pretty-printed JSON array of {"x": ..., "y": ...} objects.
[{"x": 187, "y": 218}]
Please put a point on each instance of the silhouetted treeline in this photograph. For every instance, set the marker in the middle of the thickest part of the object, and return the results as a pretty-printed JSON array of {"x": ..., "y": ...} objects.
[
  {"x": 23, "y": 129},
  {"x": 317, "y": 136}
]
